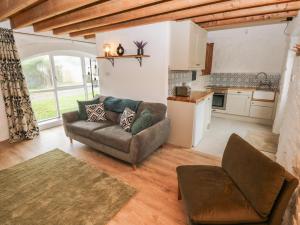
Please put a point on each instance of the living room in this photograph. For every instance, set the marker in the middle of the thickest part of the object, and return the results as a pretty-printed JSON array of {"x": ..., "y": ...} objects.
[{"x": 147, "y": 102}]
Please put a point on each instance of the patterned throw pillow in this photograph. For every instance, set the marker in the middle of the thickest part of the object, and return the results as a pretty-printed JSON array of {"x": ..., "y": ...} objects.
[
  {"x": 127, "y": 119},
  {"x": 95, "y": 112}
]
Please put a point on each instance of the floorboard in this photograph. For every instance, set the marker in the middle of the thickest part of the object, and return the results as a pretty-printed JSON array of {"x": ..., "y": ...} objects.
[{"x": 155, "y": 179}]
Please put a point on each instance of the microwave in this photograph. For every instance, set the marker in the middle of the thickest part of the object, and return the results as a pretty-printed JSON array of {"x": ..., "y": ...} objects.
[{"x": 184, "y": 91}]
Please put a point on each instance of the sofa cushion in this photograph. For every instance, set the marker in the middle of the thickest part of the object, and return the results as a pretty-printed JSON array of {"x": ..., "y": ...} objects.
[
  {"x": 259, "y": 178},
  {"x": 95, "y": 112},
  {"x": 210, "y": 197},
  {"x": 142, "y": 122},
  {"x": 84, "y": 128},
  {"x": 113, "y": 116},
  {"x": 113, "y": 136},
  {"x": 127, "y": 119},
  {"x": 158, "y": 110},
  {"x": 82, "y": 104}
]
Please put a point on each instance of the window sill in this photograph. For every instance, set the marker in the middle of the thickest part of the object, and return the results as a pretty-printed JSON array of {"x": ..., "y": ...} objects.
[{"x": 50, "y": 123}]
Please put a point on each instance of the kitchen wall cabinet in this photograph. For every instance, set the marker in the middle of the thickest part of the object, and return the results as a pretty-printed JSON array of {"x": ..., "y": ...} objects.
[
  {"x": 188, "y": 46},
  {"x": 238, "y": 103},
  {"x": 209, "y": 59}
]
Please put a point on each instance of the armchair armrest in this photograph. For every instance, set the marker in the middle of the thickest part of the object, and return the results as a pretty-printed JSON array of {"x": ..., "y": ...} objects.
[
  {"x": 148, "y": 140},
  {"x": 70, "y": 117}
]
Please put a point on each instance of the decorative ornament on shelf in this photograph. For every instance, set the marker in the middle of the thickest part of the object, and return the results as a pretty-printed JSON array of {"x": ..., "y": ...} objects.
[
  {"x": 107, "y": 50},
  {"x": 120, "y": 50},
  {"x": 140, "y": 45}
]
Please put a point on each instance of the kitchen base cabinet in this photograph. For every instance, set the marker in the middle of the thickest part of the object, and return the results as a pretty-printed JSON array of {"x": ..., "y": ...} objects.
[
  {"x": 189, "y": 120},
  {"x": 238, "y": 103}
]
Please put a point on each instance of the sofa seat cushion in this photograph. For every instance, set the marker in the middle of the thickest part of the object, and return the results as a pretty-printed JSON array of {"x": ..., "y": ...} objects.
[
  {"x": 85, "y": 128},
  {"x": 211, "y": 197},
  {"x": 113, "y": 136}
]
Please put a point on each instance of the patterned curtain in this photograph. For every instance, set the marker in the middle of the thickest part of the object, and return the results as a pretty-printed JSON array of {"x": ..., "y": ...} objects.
[{"x": 21, "y": 120}]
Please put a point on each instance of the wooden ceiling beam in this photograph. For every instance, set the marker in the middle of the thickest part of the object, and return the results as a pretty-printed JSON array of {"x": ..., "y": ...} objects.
[
  {"x": 11, "y": 7},
  {"x": 248, "y": 12},
  {"x": 212, "y": 25},
  {"x": 90, "y": 36},
  {"x": 186, "y": 13},
  {"x": 103, "y": 9},
  {"x": 133, "y": 14},
  {"x": 46, "y": 10}
]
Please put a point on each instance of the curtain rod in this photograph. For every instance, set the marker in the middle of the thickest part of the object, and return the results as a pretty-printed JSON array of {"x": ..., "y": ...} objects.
[{"x": 60, "y": 38}]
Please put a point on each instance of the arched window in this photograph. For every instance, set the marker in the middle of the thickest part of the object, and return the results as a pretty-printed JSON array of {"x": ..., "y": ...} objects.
[{"x": 56, "y": 81}]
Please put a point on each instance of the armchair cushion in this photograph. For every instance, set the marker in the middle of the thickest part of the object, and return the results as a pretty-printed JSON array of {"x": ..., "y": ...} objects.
[
  {"x": 259, "y": 178},
  {"x": 211, "y": 197},
  {"x": 84, "y": 128}
]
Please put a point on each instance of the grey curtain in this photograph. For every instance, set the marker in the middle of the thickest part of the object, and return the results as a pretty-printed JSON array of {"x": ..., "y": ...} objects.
[{"x": 21, "y": 120}]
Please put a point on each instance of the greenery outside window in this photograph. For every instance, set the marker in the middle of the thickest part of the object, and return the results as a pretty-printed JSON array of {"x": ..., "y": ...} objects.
[{"x": 56, "y": 82}]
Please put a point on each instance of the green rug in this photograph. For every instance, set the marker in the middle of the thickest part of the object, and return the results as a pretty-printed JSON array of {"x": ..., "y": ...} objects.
[{"x": 57, "y": 189}]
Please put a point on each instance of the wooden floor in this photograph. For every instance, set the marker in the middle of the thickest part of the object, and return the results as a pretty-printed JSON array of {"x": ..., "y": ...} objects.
[{"x": 155, "y": 179}]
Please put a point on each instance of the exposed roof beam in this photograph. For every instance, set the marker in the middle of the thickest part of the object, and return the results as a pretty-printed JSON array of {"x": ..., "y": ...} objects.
[
  {"x": 103, "y": 9},
  {"x": 10, "y": 7},
  {"x": 133, "y": 14},
  {"x": 90, "y": 36},
  {"x": 46, "y": 10},
  {"x": 249, "y": 19},
  {"x": 187, "y": 13},
  {"x": 249, "y": 12}
]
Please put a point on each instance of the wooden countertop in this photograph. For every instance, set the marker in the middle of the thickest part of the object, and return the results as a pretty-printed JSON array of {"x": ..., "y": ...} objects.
[
  {"x": 196, "y": 97},
  {"x": 240, "y": 88}
]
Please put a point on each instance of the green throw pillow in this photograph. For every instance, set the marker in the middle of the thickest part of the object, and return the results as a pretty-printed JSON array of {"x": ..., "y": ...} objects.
[
  {"x": 142, "y": 122},
  {"x": 81, "y": 107}
]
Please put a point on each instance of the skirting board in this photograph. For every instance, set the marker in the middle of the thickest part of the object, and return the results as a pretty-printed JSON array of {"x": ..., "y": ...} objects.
[{"x": 243, "y": 118}]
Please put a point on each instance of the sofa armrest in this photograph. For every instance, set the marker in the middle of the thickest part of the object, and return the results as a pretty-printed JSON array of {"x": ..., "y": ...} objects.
[
  {"x": 148, "y": 140},
  {"x": 70, "y": 117}
]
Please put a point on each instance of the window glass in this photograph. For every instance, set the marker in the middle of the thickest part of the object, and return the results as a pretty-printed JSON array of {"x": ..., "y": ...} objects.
[
  {"x": 68, "y": 99},
  {"x": 92, "y": 78},
  {"x": 68, "y": 71},
  {"x": 44, "y": 105},
  {"x": 37, "y": 72}
]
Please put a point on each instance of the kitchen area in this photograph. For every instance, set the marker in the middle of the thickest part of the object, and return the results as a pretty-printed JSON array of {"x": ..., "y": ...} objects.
[{"x": 206, "y": 105}]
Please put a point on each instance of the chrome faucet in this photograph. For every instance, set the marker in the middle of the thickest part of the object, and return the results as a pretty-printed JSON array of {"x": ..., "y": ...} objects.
[{"x": 265, "y": 81}]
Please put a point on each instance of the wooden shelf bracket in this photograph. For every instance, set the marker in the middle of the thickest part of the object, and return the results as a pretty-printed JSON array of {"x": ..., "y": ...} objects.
[{"x": 112, "y": 61}]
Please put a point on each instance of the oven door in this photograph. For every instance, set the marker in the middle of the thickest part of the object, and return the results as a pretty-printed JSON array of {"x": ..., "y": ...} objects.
[{"x": 219, "y": 101}]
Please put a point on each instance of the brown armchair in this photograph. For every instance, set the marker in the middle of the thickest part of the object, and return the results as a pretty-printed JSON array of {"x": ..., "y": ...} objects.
[{"x": 248, "y": 189}]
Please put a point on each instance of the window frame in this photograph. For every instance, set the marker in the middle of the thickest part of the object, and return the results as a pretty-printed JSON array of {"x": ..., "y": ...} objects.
[{"x": 56, "y": 88}]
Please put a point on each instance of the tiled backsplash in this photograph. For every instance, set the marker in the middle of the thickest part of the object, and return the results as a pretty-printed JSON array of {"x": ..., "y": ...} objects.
[
  {"x": 242, "y": 79},
  {"x": 176, "y": 78}
]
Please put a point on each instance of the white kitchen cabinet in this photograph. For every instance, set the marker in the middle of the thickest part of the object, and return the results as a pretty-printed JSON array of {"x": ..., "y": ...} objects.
[
  {"x": 188, "y": 46},
  {"x": 262, "y": 110},
  {"x": 189, "y": 121},
  {"x": 238, "y": 103},
  {"x": 208, "y": 110}
]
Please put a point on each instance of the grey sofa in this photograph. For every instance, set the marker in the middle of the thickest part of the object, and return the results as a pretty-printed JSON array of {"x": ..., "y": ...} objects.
[{"x": 108, "y": 137}]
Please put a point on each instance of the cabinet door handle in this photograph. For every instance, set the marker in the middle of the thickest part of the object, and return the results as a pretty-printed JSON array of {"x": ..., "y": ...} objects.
[{"x": 238, "y": 92}]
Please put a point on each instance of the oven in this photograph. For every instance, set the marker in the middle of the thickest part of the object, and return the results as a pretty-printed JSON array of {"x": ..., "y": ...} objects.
[{"x": 219, "y": 99}]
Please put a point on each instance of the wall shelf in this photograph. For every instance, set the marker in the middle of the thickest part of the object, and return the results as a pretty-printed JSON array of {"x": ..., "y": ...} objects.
[{"x": 139, "y": 58}]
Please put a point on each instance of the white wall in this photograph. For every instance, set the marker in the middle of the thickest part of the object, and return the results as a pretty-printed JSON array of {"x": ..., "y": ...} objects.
[
  {"x": 127, "y": 79},
  {"x": 251, "y": 49},
  {"x": 29, "y": 46}
]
